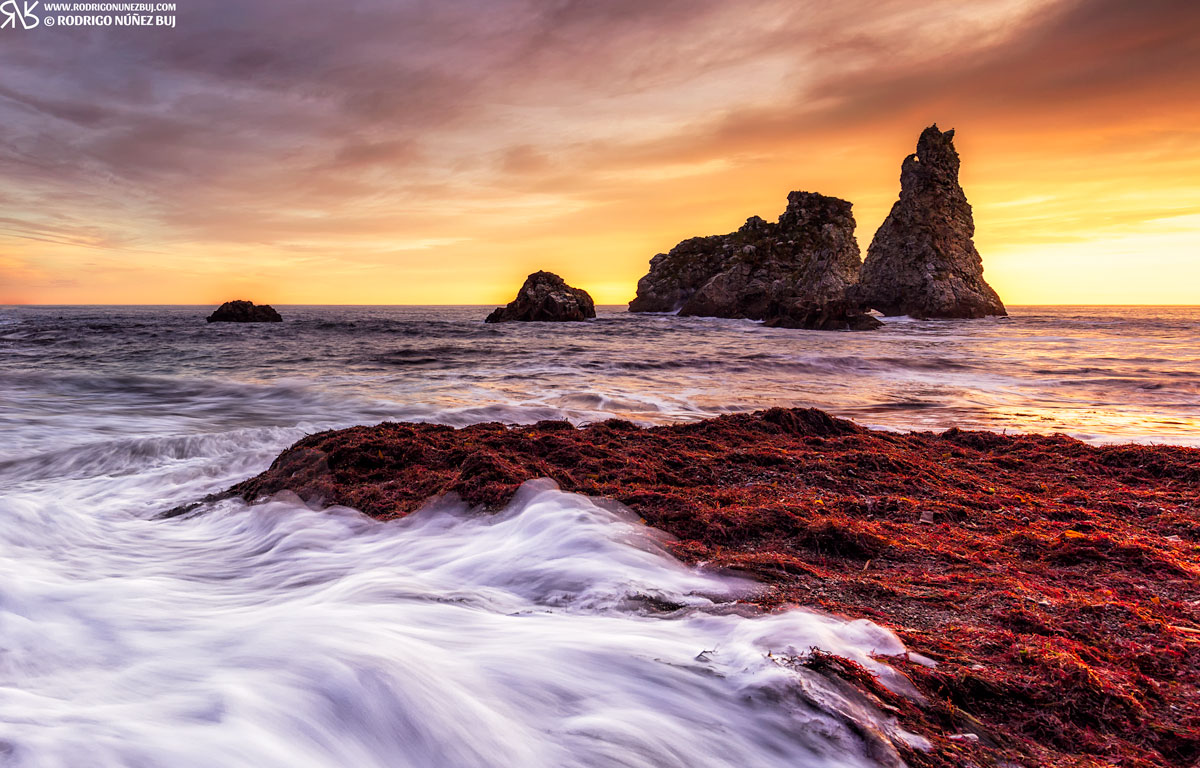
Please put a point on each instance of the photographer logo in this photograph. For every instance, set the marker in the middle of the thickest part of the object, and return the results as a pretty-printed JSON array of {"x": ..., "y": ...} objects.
[{"x": 14, "y": 12}]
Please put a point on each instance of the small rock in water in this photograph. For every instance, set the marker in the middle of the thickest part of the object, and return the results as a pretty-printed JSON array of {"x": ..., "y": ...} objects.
[
  {"x": 836, "y": 315},
  {"x": 545, "y": 297},
  {"x": 238, "y": 311}
]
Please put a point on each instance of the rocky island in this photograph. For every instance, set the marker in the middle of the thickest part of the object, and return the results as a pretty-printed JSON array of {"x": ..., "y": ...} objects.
[
  {"x": 238, "y": 311},
  {"x": 545, "y": 297},
  {"x": 805, "y": 270},
  {"x": 808, "y": 257},
  {"x": 1053, "y": 582},
  {"x": 922, "y": 261}
]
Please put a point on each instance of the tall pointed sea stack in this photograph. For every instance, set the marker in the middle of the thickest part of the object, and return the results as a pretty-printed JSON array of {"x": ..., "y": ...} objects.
[{"x": 922, "y": 261}]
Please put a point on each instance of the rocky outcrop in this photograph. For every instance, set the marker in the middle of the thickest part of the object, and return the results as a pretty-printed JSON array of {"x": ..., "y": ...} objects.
[
  {"x": 835, "y": 315},
  {"x": 922, "y": 261},
  {"x": 804, "y": 270},
  {"x": 545, "y": 297},
  {"x": 1006, "y": 539},
  {"x": 245, "y": 312},
  {"x": 809, "y": 255}
]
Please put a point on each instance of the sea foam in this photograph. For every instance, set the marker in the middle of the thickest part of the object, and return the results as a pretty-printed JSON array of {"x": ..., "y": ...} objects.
[{"x": 558, "y": 632}]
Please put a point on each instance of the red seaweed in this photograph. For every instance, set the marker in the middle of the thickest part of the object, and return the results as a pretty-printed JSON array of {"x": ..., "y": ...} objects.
[{"x": 1054, "y": 582}]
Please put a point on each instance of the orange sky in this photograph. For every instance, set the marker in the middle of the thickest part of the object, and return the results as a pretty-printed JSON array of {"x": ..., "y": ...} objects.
[{"x": 426, "y": 153}]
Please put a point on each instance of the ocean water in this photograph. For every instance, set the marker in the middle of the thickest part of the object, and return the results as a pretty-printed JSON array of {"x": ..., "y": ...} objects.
[{"x": 277, "y": 635}]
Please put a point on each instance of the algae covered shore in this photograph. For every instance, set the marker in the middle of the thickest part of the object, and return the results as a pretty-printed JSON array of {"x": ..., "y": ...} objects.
[{"x": 1053, "y": 582}]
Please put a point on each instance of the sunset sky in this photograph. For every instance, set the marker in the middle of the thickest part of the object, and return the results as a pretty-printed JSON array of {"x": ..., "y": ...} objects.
[{"x": 436, "y": 152}]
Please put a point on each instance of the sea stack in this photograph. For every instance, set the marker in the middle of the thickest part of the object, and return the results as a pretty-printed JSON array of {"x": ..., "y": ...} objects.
[
  {"x": 808, "y": 257},
  {"x": 245, "y": 312},
  {"x": 922, "y": 261},
  {"x": 545, "y": 297}
]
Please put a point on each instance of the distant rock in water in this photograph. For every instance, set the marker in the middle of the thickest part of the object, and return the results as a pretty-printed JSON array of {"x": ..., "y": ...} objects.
[
  {"x": 810, "y": 255},
  {"x": 835, "y": 315},
  {"x": 922, "y": 261},
  {"x": 245, "y": 312},
  {"x": 545, "y": 297}
]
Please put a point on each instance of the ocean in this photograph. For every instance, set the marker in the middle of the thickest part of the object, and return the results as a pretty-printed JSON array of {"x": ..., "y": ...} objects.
[{"x": 275, "y": 634}]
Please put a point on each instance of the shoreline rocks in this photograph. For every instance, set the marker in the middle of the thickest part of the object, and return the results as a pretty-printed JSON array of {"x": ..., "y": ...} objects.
[
  {"x": 836, "y": 315},
  {"x": 922, "y": 261},
  {"x": 809, "y": 255},
  {"x": 545, "y": 297},
  {"x": 239, "y": 311}
]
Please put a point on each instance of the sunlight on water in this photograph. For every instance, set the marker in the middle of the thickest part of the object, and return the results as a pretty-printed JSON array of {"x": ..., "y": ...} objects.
[{"x": 1101, "y": 373}]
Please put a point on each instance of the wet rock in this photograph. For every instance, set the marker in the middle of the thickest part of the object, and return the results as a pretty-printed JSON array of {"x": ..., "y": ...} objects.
[
  {"x": 836, "y": 315},
  {"x": 922, "y": 262},
  {"x": 545, "y": 297},
  {"x": 809, "y": 255},
  {"x": 245, "y": 312}
]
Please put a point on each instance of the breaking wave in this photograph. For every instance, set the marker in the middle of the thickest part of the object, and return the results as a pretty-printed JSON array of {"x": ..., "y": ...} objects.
[{"x": 555, "y": 633}]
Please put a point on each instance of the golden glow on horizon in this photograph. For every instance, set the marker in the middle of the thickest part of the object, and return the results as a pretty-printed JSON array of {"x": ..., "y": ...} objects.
[{"x": 1087, "y": 230}]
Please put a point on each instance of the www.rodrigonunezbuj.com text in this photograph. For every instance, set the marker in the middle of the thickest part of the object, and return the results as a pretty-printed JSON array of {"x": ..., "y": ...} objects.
[{"x": 26, "y": 14}]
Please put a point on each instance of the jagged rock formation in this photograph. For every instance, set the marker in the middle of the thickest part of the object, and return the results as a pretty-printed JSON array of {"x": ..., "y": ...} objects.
[
  {"x": 835, "y": 315},
  {"x": 922, "y": 261},
  {"x": 809, "y": 255},
  {"x": 545, "y": 297},
  {"x": 244, "y": 312}
]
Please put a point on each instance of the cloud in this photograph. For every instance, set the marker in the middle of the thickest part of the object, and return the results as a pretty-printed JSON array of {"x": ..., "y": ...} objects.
[{"x": 349, "y": 125}]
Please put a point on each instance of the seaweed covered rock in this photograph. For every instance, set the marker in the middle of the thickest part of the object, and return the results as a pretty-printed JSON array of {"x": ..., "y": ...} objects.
[
  {"x": 836, "y": 315},
  {"x": 922, "y": 261},
  {"x": 545, "y": 297},
  {"x": 238, "y": 311},
  {"x": 810, "y": 255},
  {"x": 1053, "y": 582}
]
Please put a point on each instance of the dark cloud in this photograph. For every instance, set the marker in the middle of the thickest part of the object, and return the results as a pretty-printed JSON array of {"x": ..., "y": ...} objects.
[
  {"x": 1091, "y": 64},
  {"x": 1109, "y": 50}
]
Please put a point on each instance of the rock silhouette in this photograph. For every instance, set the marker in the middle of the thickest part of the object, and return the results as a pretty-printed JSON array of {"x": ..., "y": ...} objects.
[
  {"x": 835, "y": 315},
  {"x": 922, "y": 262},
  {"x": 809, "y": 255},
  {"x": 545, "y": 297},
  {"x": 244, "y": 312}
]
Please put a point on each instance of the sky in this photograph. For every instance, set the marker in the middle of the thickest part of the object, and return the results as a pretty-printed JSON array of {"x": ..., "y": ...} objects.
[{"x": 436, "y": 152}]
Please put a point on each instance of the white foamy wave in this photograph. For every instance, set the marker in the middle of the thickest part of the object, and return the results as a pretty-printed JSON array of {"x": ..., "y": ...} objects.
[
  {"x": 125, "y": 456},
  {"x": 143, "y": 476},
  {"x": 556, "y": 633}
]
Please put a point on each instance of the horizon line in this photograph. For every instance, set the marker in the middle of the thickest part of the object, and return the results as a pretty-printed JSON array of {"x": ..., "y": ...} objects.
[{"x": 211, "y": 304}]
